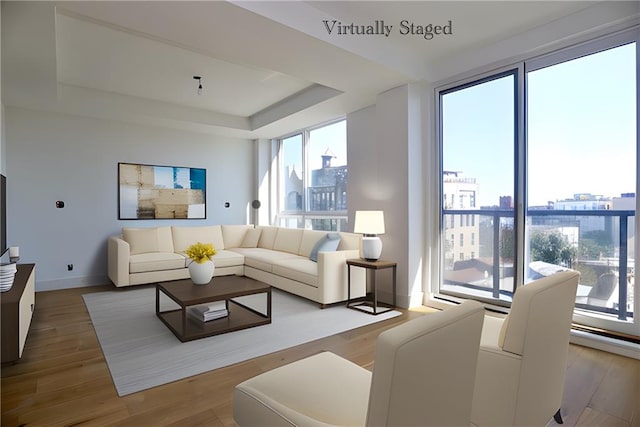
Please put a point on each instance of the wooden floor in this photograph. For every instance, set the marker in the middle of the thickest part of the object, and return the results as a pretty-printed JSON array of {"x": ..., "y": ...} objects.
[{"x": 63, "y": 379}]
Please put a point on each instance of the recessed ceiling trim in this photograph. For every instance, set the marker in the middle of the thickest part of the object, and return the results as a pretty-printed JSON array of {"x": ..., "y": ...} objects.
[
  {"x": 84, "y": 100},
  {"x": 300, "y": 101},
  {"x": 133, "y": 32}
]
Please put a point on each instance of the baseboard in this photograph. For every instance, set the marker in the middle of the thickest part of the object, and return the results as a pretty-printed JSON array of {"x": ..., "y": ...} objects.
[
  {"x": 610, "y": 345},
  {"x": 578, "y": 337},
  {"x": 75, "y": 282},
  {"x": 402, "y": 301}
]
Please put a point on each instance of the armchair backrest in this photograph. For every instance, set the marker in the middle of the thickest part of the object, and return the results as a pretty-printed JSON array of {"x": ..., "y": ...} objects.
[
  {"x": 538, "y": 328},
  {"x": 424, "y": 369},
  {"x": 541, "y": 310}
]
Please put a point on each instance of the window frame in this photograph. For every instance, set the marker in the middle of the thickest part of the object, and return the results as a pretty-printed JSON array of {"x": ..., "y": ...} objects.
[{"x": 516, "y": 69}]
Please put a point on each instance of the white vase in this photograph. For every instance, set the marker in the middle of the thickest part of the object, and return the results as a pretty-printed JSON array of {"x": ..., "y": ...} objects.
[{"x": 201, "y": 274}]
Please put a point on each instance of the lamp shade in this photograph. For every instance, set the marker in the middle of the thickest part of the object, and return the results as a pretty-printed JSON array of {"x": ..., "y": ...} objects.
[{"x": 369, "y": 222}]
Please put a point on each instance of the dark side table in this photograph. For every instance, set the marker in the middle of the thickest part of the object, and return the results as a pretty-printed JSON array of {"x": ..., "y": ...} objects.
[{"x": 371, "y": 306}]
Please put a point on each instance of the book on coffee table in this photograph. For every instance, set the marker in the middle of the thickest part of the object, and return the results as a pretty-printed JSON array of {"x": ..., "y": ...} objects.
[{"x": 205, "y": 313}]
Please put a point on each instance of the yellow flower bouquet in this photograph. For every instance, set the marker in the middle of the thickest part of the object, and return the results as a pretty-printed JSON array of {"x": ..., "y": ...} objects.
[{"x": 200, "y": 252}]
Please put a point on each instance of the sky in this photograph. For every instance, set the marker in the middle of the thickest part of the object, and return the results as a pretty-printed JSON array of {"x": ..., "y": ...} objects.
[
  {"x": 332, "y": 137},
  {"x": 581, "y": 130}
]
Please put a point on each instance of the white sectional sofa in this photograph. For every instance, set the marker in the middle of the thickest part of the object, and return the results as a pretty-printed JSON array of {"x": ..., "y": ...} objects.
[{"x": 307, "y": 263}]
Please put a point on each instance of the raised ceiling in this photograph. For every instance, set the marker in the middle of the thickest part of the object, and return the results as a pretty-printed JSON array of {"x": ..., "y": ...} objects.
[
  {"x": 109, "y": 59},
  {"x": 267, "y": 68}
]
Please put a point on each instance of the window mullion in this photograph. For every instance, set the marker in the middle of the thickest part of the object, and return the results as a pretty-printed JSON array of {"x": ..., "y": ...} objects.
[
  {"x": 305, "y": 176},
  {"x": 521, "y": 177}
]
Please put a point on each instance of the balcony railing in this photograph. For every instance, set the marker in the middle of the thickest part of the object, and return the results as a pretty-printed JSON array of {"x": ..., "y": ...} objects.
[
  {"x": 495, "y": 249},
  {"x": 315, "y": 220}
]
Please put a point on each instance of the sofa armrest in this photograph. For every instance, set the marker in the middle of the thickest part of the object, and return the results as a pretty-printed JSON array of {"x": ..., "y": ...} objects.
[
  {"x": 118, "y": 252},
  {"x": 332, "y": 276}
]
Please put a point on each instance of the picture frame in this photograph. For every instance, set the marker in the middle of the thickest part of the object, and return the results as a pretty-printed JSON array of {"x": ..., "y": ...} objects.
[{"x": 161, "y": 192}]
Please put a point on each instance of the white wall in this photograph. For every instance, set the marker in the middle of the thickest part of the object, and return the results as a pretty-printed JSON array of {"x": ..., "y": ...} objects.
[
  {"x": 54, "y": 157},
  {"x": 385, "y": 173},
  {"x": 266, "y": 183}
]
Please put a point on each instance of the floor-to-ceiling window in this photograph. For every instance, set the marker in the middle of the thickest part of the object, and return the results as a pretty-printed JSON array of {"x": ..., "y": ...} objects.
[
  {"x": 477, "y": 187},
  {"x": 582, "y": 174},
  {"x": 547, "y": 150},
  {"x": 313, "y": 178}
]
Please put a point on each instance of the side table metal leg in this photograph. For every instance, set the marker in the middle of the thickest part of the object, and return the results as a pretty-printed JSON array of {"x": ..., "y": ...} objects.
[
  {"x": 374, "y": 288},
  {"x": 394, "y": 287},
  {"x": 348, "y": 285}
]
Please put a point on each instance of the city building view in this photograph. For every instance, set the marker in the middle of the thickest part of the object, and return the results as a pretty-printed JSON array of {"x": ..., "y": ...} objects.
[
  {"x": 313, "y": 178},
  {"x": 326, "y": 195},
  {"x": 591, "y": 233}
]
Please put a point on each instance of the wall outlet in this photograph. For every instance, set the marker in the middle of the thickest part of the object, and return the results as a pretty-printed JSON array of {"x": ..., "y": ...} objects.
[{"x": 69, "y": 267}]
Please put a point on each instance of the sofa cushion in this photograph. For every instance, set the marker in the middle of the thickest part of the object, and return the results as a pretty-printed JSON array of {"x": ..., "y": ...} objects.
[
  {"x": 251, "y": 238},
  {"x": 156, "y": 261},
  {"x": 349, "y": 241},
  {"x": 288, "y": 240},
  {"x": 490, "y": 338},
  {"x": 261, "y": 258},
  {"x": 234, "y": 234},
  {"x": 226, "y": 258},
  {"x": 145, "y": 240},
  {"x": 309, "y": 240},
  {"x": 300, "y": 269},
  {"x": 329, "y": 243},
  {"x": 267, "y": 237},
  {"x": 183, "y": 237}
]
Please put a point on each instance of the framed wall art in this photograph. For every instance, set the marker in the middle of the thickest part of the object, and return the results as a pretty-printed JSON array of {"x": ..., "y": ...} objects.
[{"x": 161, "y": 192}]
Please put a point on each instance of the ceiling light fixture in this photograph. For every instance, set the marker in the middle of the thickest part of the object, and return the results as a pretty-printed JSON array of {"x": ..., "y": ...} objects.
[{"x": 199, "y": 79}]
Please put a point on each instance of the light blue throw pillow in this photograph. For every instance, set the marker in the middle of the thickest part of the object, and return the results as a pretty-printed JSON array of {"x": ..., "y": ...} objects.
[{"x": 328, "y": 243}]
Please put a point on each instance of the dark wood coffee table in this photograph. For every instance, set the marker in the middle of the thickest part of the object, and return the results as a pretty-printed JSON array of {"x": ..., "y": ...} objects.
[{"x": 221, "y": 288}]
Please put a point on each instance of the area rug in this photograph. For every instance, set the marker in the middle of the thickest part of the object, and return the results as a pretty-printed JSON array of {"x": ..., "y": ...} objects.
[{"x": 142, "y": 353}]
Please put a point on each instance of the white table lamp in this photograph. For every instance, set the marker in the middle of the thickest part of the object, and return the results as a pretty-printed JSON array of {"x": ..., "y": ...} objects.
[{"x": 370, "y": 224}]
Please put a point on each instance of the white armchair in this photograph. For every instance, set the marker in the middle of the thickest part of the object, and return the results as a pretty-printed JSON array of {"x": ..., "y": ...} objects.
[
  {"x": 423, "y": 376},
  {"x": 523, "y": 357}
]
